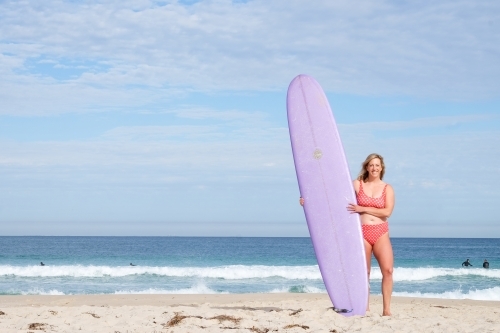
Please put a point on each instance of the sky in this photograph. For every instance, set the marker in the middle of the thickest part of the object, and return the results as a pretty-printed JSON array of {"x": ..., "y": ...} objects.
[{"x": 168, "y": 118}]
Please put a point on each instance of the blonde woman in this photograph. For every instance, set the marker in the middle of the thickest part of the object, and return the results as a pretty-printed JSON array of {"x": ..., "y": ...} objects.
[{"x": 375, "y": 203}]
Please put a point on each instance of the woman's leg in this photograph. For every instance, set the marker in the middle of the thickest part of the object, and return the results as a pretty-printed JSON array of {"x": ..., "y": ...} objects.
[
  {"x": 368, "y": 253},
  {"x": 382, "y": 250}
]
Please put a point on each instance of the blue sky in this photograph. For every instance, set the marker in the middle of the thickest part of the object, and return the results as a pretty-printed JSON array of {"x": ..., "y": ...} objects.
[{"x": 168, "y": 117}]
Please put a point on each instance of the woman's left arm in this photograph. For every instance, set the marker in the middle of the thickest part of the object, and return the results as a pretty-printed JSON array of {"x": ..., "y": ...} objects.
[{"x": 378, "y": 212}]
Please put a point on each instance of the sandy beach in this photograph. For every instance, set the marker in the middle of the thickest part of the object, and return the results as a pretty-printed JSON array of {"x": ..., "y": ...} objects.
[{"x": 238, "y": 313}]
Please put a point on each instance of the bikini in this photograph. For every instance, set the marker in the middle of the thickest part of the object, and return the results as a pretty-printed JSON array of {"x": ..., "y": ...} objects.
[{"x": 372, "y": 232}]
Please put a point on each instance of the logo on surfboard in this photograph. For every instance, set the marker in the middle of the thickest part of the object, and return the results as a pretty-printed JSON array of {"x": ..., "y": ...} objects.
[{"x": 317, "y": 154}]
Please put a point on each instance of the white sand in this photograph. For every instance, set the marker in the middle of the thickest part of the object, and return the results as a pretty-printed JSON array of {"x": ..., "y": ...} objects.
[{"x": 237, "y": 313}]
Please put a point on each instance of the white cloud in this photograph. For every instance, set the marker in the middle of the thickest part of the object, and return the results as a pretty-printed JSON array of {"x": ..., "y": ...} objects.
[
  {"x": 420, "y": 123},
  {"x": 446, "y": 176},
  {"x": 413, "y": 161},
  {"x": 465, "y": 159},
  {"x": 226, "y": 115},
  {"x": 183, "y": 155},
  {"x": 161, "y": 133},
  {"x": 445, "y": 49}
]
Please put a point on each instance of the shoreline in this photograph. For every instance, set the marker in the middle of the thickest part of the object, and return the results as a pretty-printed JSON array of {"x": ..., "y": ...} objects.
[
  {"x": 260, "y": 313},
  {"x": 186, "y": 299}
]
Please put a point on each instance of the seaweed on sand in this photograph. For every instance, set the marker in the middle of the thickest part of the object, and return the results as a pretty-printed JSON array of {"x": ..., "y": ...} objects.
[
  {"x": 92, "y": 314},
  {"x": 296, "y": 325},
  {"x": 295, "y": 312},
  {"x": 37, "y": 326},
  {"x": 223, "y": 318},
  {"x": 176, "y": 320},
  {"x": 258, "y": 330}
]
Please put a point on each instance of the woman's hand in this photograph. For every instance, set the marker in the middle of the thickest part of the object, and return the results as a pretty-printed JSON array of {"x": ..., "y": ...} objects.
[
  {"x": 354, "y": 208},
  {"x": 301, "y": 201}
]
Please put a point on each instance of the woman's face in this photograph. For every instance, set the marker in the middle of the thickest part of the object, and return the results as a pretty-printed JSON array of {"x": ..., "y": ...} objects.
[{"x": 374, "y": 168}]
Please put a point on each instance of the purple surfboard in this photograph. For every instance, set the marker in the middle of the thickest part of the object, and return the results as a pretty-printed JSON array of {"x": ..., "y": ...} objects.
[{"x": 326, "y": 186}]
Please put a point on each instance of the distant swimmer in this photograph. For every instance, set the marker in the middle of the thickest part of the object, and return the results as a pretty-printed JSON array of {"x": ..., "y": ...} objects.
[
  {"x": 466, "y": 263},
  {"x": 486, "y": 264},
  {"x": 131, "y": 264},
  {"x": 42, "y": 264}
]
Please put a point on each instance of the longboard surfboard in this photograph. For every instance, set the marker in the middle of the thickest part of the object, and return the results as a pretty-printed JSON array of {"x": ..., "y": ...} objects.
[{"x": 326, "y": 186}]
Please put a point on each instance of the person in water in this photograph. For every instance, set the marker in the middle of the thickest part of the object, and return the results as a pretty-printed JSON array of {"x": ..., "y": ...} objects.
[
  {"x": 466, "y": 263},
  {"x": 486, "y": 264},
  {"x": 42, "y": 264},
  {"x": 375, "y": 203}
]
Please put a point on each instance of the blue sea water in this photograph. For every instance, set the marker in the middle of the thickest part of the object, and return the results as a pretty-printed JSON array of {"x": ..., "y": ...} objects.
[{"x": 424, "y": 267}]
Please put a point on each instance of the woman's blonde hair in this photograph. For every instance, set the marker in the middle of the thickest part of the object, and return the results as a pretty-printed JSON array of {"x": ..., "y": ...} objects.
[{"x": 363, "y": 174}]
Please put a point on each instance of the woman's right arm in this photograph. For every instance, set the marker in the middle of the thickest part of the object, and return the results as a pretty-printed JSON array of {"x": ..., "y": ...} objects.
[{"x": 378, "y": 212}]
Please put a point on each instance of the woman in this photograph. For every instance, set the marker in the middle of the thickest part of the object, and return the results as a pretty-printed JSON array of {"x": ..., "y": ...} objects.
[{"x": 375, "y": 204}]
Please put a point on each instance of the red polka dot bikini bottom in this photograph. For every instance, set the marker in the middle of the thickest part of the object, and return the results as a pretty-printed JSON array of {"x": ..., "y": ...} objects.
[{"x": 372, "y": 232}]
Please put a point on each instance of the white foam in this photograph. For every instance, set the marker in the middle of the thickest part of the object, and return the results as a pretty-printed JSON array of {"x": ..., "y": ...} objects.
[
  {"x": 490, "y": 294},
  {"x": 427, "y": 273},
  {"x": 300, "y": 289},
  {"x": 199, "y": 288},
  {"x": 233, "y": 272},
  {"x": 41, "y": 292}
]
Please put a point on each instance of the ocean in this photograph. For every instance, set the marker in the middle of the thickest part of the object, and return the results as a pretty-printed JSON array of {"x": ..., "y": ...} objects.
[{"x": 424, "y": 267}]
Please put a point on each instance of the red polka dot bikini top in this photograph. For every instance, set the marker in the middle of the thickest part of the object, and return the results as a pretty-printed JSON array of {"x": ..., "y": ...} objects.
[{"x": 366, "y": 201}]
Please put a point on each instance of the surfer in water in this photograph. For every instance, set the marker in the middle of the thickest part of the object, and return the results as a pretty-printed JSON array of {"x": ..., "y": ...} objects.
[
  {"x": 466, "y": 263},
  {"x": 375, "y": 203}
]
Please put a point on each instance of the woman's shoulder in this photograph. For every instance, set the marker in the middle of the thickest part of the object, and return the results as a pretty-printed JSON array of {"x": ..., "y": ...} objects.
[
  {"x": 356, "y": 183},
  {"x": 388, "y": 187}
]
